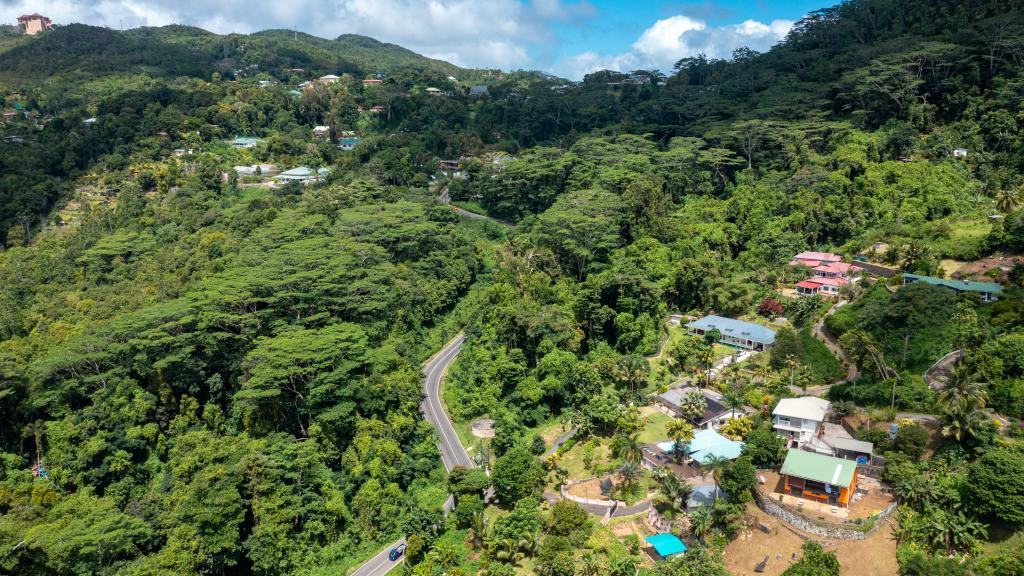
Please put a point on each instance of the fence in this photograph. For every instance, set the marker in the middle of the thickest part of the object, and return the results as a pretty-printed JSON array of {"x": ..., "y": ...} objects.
[{"x": 847, "y": 530}]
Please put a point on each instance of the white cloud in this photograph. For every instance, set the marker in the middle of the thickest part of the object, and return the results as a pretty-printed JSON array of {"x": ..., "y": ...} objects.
[
  {"x": 491, "y": 33},
  {"x": 675, "y": 37}
]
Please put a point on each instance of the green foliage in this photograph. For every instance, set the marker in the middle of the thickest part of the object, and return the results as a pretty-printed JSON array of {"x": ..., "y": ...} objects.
[
  {"x": 814, "y": 562},
  {"x": 995, "y": 486},
  {"x": 764, "y": 447},
  {"x": 517, "y": 475}
]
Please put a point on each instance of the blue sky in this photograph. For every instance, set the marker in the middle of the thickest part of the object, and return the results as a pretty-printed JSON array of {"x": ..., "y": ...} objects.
[{"x": 566, "y": 37}]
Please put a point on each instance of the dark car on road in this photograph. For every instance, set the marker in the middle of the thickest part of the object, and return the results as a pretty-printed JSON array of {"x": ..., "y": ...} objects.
[{"x": 396, "y": 552}]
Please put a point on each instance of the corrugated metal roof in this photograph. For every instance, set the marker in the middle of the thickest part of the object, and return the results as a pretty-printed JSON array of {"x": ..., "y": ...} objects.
[
  {"x": 735, "y": 328},
  {"x": 819, "y": 468},
  {"x": 958, "y": 285}
]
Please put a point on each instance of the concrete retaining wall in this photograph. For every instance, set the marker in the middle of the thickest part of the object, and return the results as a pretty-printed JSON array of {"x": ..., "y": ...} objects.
[
  {"x": 589, "y": 501},
  {"x": 847, "y": 531}
]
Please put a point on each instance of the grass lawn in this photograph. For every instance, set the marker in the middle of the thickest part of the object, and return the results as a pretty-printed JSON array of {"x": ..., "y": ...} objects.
[
  {"x": 573, "y": 459},
  {"x": 654, "y": 429},
  {"x": 470, "y": 206}
]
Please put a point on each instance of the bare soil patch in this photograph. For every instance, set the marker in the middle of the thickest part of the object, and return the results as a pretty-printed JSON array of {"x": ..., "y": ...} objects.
[{"x": 875, "y": 556}]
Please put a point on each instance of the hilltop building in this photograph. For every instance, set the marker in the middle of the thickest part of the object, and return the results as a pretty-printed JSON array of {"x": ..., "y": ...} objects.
[{"x": 32, "y": 24}]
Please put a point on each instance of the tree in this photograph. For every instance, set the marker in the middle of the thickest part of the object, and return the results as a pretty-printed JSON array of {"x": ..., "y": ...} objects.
[
  {"x": 738, "y": 480},
  {"x": 681, "y": 433},
  {"x": 769, "y": 308},
  {"x": 517, "y": 474},
  {"x": 568, "y": 520},
  {"x": 996, "y": 484},
  {"x": 581, "y": 228},
  {"x": 630, "y": 473},
  {"x": 674, "y": 491},
  {"x": 693, "y": 404},
  {"x": 1009, "y": 199},
  {"x": 765, "y": 448},
  {"x": 815, "y": 562},
  {"x": 626, "y": 447},
  {"x": 911, "y": 440},
  {"x": 701, "y": 522},
  {"x": 716, "y": 466}
]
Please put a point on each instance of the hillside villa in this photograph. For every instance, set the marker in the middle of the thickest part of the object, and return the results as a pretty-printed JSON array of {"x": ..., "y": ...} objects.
[
  {"x": 825, "y": 287},
  {"x": 715, "y": 413},
  {"x": 321, "y": 131},
  {"x": 819, "y": 478},
  {"x": 987, "y": 291},
  {"x": 799, "y": 420},
  {"x": 329, "y": 79},
  {"x": 737, "y": 333},
  {"x": 32, "y": 24},
  {"x": 372, "y": 81}
]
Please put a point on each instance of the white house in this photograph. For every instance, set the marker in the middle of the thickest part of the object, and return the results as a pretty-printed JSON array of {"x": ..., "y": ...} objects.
[
  {"x": 960, "y": 153},
  {"x": 321, "y": 131},
  {"x": 799, "y": 420},
  {"x": 329, "y": 79}
]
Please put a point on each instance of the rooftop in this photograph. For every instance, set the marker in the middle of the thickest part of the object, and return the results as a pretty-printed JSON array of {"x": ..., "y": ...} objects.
[
  {"x": 806, "y": 407},
  {"x": 674, "y": 396},
  {"x": 705, "y": 444},
  {"x": 819, "y": 468},
  {"x": 735, "y": 328},
  {"x": 819, "y": 256},
  {"x": 958, "y": 285},
  {"x": 666, "y": 544}
]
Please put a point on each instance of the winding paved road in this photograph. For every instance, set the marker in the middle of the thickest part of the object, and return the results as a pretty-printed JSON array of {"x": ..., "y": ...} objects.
[
  {"x": 446, "y": 199},
  {"x": 452, "y": 452}
]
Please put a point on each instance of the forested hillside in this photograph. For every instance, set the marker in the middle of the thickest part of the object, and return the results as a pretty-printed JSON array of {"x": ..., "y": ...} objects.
[{"x": 206, "y": 368}]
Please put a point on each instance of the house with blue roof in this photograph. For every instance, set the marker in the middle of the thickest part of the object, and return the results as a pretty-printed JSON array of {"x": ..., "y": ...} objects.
[
  {"x": 987, "y": 291},
  {"x": 746, "y": 335},
  {"x": 243, "y": 142},
  {"x": 705, "y": 445}
]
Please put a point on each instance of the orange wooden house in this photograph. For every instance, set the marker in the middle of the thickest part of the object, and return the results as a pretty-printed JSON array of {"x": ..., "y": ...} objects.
[{"x": 818, "y": 477}]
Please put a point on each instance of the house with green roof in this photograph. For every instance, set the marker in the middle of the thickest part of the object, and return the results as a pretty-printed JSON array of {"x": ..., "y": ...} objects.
[
  {"x": 818, "y": 477},
  {"x": 988, "y": 291}
]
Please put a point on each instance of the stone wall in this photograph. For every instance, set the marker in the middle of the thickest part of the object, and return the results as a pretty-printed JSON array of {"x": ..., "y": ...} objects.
[{"x": 846, "y": 531}]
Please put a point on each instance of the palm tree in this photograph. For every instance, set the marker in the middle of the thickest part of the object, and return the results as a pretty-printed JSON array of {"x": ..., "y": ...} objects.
[
  {"x": 630, "y": 473},
  {"x": 716, "y": 465},
  {"x": 701, "y": 522},
  {"x": 963, "y": 391},
  {"x": 477, "y": 529},
  {"x": 508, "y": 551},
  {"x": 964, "y": 424},
  {"x": 445, "y": 555},
  {"x": 627, "y": 448},
  {"x": 734, "y": 398},
  {"x": 1009, "y": 199},
  {"x": 674, "y": 491},
  {"x": 681, "y": 433}
]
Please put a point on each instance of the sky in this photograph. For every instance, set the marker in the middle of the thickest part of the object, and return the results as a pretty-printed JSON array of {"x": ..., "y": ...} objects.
[{"x": 565, "y": 37}]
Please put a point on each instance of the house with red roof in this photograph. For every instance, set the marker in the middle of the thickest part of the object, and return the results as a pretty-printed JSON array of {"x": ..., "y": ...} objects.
[
  {"x": 836, "y": 270},
  {"x": 825, "y": 287},
  {"x": 813, "y": 259},
  {"x": 32, "y": 24}
]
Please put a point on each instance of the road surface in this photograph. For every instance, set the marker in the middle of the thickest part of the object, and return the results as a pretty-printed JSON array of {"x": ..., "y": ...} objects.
[
  {"x": 380, "y": 564},
  {"x": 446, "y": 199},
  {"x": 452, "y": 452}
]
